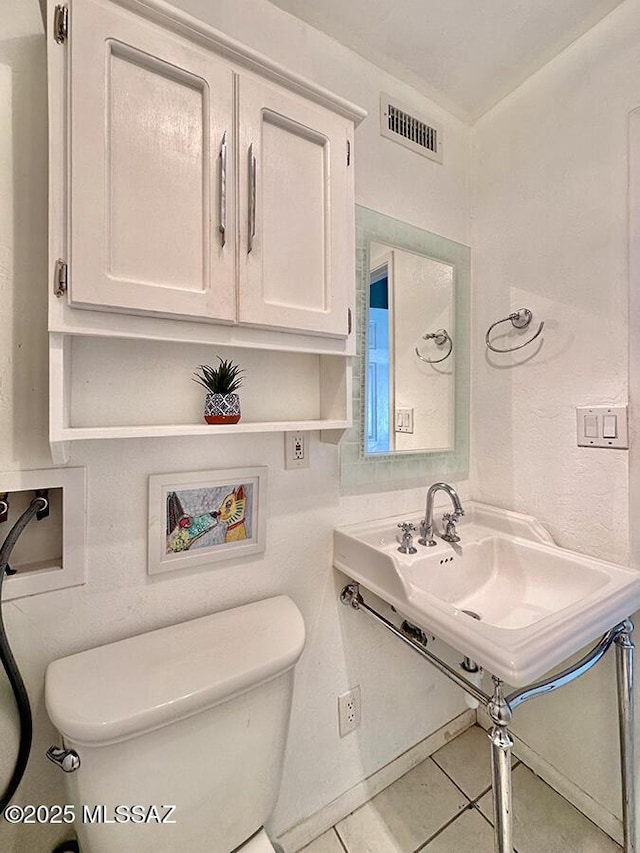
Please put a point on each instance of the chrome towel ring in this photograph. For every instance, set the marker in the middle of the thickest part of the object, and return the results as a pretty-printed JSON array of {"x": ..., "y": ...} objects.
[
  {"x": 520, "y": 319},
  {"x": 440, "y": 338}
]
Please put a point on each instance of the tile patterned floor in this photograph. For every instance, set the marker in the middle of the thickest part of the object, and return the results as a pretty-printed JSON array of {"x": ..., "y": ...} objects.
[{"x": 444, "y": 806}]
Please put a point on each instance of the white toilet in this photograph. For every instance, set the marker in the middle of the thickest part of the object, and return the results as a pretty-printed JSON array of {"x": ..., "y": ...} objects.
[{"x": 193, "y": 716}]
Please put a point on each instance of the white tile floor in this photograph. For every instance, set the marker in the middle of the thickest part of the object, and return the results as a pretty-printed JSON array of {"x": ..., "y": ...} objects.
[{"x": 444, "y": 806}]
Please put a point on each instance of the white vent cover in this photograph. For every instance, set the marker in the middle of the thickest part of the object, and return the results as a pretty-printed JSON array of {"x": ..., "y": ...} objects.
[{"x": 419, "y": 134}]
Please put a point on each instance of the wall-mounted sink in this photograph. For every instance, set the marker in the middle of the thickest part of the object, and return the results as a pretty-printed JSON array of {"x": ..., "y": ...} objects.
[{"x": 505, "y": 595}]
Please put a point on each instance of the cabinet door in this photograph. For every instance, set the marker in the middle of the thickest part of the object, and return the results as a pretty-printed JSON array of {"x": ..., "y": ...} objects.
[
  {"x": 150, "y": 122},
  {"x": 296, "y": 229}
]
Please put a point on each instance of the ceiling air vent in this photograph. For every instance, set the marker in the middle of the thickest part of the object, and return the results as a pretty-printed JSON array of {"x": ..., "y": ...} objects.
[{"x": 418, "y": 134}]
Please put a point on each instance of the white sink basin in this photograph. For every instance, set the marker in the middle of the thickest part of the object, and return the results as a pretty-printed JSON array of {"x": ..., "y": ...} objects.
[
  {"x": 507, "y": 583},
  {"x": 517, "y": 604}
]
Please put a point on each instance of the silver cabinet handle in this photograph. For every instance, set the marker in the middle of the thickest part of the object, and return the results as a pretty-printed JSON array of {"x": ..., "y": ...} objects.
[
  {"x": 252, "y": 198},
  {"x": 222, "y": 227}
]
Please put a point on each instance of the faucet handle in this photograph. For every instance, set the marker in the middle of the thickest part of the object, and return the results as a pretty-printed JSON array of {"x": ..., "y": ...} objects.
[
  {"x": 449, "y": 520},
  {"x": 452, "y": 517},
  {"x": 406, "y": 546}
]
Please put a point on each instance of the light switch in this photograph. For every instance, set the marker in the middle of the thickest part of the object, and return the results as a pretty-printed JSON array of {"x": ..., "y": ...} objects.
[
  {"x": 590, "y": 426},
  {"x": 609, "y": 426},
  {"x": 404, "y": 420},
  {"x": 602, "y": 426}
]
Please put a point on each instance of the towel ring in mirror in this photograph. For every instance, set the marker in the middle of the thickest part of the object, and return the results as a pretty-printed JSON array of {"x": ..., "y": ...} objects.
[
  {"x": 520, "y": 319},
  {"x": 440, "y": 338}
]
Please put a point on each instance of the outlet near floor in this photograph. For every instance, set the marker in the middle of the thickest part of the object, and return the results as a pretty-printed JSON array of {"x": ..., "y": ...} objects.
[{"x": 349, "y": 713}]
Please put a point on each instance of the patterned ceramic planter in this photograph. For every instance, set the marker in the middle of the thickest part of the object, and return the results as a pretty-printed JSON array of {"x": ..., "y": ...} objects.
[{"x": 222, "y": 408}]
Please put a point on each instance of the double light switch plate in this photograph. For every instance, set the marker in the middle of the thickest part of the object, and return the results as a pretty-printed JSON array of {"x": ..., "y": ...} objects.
[{"x": 602, "y": 426}]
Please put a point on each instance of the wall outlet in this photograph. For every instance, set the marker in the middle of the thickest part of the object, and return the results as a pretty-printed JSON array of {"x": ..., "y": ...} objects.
[
  {"x": 296, "y": 450},
  {"x": 349, "y": 714}
]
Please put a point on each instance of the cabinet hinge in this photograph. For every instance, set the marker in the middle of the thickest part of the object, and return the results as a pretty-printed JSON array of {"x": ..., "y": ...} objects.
[
  {"x": 349, "y": 321},
  {"x": 61, "y": 24},
  {"x": 60, "y": 278},
  {"x": 348, "y": 153}
]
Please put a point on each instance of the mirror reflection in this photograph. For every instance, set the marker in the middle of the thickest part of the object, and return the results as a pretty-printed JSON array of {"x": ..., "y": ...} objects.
[
  {"x": 411, "y": 374},
  {"x": 410, "y": 352}
]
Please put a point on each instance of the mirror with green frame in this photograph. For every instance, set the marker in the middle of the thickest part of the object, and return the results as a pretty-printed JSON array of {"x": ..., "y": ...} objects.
[{"x": 411, "y": 378}]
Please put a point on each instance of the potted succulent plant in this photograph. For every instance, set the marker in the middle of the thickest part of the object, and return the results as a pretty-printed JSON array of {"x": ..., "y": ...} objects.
[{"x": 222, "y": 404}]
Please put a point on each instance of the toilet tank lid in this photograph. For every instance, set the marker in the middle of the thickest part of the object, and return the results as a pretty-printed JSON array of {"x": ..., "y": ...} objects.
[{"x": 123, "y": 689}]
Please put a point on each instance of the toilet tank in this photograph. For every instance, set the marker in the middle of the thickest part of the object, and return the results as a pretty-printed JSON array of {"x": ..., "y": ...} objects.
[{"x": 192, "y": 716}]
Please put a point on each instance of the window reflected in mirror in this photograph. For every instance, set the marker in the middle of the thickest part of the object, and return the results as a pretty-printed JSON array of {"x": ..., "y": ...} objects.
[{"x": 378, "y": 362}]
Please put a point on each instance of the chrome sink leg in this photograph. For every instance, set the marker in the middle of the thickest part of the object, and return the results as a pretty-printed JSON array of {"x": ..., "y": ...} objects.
[
  {"x": 501, "y": 746},
  {"x": 624, "y": 672}
]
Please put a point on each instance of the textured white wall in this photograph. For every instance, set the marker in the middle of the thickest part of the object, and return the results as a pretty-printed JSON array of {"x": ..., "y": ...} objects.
[
  {"x": 403, "y": 699},
  {"x": 550, "y": 233}
]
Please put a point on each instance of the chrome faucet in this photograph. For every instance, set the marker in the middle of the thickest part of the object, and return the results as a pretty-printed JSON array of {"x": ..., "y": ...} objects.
[{"x": 426, "y": 525}]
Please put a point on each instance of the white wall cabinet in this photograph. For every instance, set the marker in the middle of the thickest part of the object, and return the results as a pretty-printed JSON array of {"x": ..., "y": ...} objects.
[
  {"x": 199, "y": 193},
  {"x": 296, "y": 255},
  {"x": 149, "y": 114},
  {"x": 165, "y": 137}
]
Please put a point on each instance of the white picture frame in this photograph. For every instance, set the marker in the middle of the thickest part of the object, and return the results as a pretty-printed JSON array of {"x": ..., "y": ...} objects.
[{"x": 200, "y": 517}]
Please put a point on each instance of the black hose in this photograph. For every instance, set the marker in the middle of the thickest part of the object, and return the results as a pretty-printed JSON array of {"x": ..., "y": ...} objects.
[
  {"x": 67, "y": 847},
  {"x": 9, "y": 663}
]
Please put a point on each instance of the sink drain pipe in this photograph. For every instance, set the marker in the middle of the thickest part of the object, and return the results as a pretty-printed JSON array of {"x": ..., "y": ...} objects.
[
  {"x": 471, "y": 668},
  {"x": 473, "y": 673}
]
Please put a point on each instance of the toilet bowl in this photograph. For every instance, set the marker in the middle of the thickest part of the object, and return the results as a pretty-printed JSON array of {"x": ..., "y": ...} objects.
[{"x": 188, "y": 724}]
